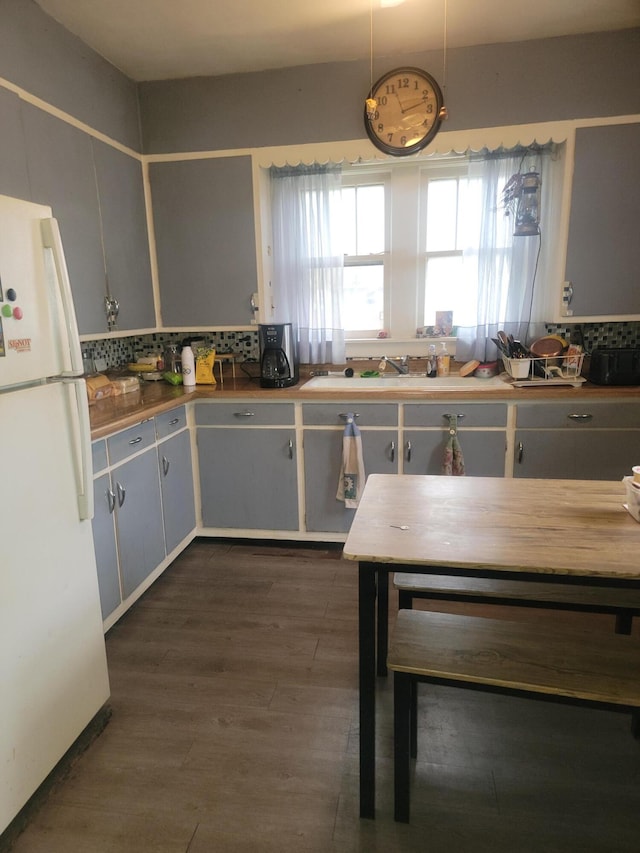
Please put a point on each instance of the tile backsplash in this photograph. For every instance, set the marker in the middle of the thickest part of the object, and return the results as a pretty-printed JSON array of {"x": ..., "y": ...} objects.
[{"x": 117, "y": 352}]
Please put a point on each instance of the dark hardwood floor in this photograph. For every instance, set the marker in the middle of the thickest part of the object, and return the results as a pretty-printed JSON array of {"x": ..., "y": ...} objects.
[{"x": 235, "y": 728}]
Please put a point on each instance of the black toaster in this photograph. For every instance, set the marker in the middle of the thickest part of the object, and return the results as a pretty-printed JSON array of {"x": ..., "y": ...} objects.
[{"x": 615, "y": 366}]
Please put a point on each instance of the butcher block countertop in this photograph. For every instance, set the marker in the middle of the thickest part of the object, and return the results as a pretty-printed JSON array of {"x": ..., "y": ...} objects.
[{"x": 116, "y": 413}]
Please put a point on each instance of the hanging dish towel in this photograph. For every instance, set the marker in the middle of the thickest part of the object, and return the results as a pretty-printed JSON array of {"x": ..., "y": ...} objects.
[
  {"x": 352, "y": 476},
  {"x": 453, "y": 462}
]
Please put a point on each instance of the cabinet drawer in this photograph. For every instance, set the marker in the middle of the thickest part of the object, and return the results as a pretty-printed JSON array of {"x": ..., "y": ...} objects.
[
  {"x": 99, "y": 455},
  {"x": 469, "y": 414},
  {"x": 332, "y": 414},
  {"x": 578, "y": 414},
  {"x": 131, "y": 440},
  {"x": 170, "y": 422},
  {"x": 244, "y": 414}
]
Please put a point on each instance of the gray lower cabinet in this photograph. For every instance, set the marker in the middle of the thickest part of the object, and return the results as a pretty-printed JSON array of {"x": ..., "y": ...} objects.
[
  {"x": 248, "y": 477},
  {"x": 322, "y": 461},
  {"x": 139, "y": 522},
  {"x": 104, "y": 543},
  {"x": 577, "y": 441},
  {"x": 481, "y": 433},
  {"x": 484, "y": 452},
  {"x": 176, "y": 481}
]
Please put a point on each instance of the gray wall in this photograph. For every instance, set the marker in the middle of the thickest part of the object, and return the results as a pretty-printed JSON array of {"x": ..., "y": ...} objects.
[
  {"x": 487, "y": 86},
  {"x": 43, "y": 58}
]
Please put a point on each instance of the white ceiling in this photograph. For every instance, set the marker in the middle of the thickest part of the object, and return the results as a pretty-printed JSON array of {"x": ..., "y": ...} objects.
[{"x": 163, "y": 39}]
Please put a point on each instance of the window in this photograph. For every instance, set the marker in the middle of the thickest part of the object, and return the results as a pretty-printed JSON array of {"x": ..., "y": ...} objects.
[
  {"x": 405, "y": 227},
  {"x": 365, "y": 236}
]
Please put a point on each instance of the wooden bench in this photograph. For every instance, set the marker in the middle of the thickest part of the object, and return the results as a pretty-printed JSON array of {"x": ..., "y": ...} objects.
[
  {"x": 563, "y": 664},
  {"x": 622, "y": 602}
]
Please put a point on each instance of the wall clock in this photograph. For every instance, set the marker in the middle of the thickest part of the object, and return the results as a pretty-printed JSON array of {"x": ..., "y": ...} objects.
[{"x": 407, "y": 112}]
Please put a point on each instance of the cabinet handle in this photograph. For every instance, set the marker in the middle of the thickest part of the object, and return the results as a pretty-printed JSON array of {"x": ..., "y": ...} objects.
[
  {"x": 245, "y": 414},
  {"x": 122, "y": 493},
  {"x": 111, "y": 501},
  {"x": 408, "y": 451},
  {"x": 579, "y": 417},
  {"x": 136, "y": 440},
  {"x": 520, "y": 452},
  {"x": 393, "y": 451},
  {"x": 290, "y": 449},
  {"x": 174, "y": 422},
  {"x": 165, "y": 465},
  {"x": 345, "y": 415}
]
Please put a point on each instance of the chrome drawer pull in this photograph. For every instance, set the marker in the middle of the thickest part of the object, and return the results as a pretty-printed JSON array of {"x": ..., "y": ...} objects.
[
  {"x": 393, "y": 451},
  {"x": 408, "y": 451},
  {"x": 174, "y": 422},
  {"x": 111, "y": 501},
  {"x": 136, "y": 440},
  {"x": 576, "y": 417},
  {"x": 122, "y": 493},
  {"x": 290, "y": 449},
  {"x": 345, "y": 415},
  {"x": 520, "y": 452},
  {"x": 165, "y": 465},
  {"x": 244, "y": 414}
]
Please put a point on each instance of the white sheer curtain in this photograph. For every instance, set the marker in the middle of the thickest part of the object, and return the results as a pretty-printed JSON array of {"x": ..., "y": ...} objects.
[
  {"x": 505, "y": 267},
  {"x": 308, "y": 259}
]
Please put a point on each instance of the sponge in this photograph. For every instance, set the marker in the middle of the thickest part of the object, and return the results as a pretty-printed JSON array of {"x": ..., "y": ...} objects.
[{"x": 468, "y": 368}]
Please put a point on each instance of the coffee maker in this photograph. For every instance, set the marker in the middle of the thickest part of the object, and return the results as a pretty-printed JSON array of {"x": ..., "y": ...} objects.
[{"x": 278, "y": 355}]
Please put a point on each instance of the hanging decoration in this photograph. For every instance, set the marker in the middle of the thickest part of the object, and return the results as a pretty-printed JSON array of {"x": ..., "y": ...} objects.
[{"x": 521, "y": 200}]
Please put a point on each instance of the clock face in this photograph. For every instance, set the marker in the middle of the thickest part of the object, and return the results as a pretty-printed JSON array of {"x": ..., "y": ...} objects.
[{"x": 407, "y": 112}]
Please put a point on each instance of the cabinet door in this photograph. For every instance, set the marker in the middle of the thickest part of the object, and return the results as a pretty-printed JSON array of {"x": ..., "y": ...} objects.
[
  {"x": 575, "y": 455},
  {"x": 62, "y": 175},
  {"x": 139, "y": 519},
  {"x": 206, "y": 242},
  {"x": 484, "y": 452},
  {"x": 126, "y": 242},
  {"x": 248, "y": 478},
  {"x": 603, "y": 250},
  {"x": 104, "y": 543},
  {"x": 322, "y": 460},
  {"x": 176, "y": 480},
  {"x": 14, "y": 176}
]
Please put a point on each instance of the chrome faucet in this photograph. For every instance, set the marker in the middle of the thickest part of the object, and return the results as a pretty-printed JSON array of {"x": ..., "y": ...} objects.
[{"x": 402, "y": 366}]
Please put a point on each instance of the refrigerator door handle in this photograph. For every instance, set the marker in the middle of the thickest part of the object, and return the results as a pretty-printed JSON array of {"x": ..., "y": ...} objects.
[
  {"x": 81, "y": 430},
  {"x": 52, "y": 240}
]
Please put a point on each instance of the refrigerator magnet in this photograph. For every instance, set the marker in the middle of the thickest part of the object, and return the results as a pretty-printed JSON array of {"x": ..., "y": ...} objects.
[{"x": 2, "y": 350}]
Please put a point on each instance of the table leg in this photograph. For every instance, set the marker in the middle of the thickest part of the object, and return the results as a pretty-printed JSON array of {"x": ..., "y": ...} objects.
[
  {"x": 367, "y": 656},
  {"x": 383, "y": 620}
]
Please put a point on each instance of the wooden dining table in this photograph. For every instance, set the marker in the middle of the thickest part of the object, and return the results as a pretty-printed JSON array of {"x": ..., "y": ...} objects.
[{"x": 576, "y": 531}]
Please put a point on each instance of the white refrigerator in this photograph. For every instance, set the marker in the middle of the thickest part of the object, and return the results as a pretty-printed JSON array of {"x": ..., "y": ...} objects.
[{"x": 53, "y": 669}]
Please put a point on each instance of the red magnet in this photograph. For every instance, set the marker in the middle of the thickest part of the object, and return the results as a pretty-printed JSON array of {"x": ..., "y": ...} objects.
[{"x": 17, "y": 312}]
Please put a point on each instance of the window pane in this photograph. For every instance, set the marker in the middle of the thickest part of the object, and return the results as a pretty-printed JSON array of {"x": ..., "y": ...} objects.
[
  {"x": 370, "y": 213},
  {"x": 442, "y": 214},
  {"x": 363, "y": 297},
  {"x": 449, "y": 287},
  {"x": 349, "y": 221}
]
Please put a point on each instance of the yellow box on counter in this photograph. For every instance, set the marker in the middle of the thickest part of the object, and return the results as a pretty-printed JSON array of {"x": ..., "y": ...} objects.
[{"x": 205, "y": 360}]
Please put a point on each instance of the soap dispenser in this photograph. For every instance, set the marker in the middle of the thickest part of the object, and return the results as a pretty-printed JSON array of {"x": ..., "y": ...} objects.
[
  {"x": 444, "y": 360},
  {"x": 432, "y": 369}
]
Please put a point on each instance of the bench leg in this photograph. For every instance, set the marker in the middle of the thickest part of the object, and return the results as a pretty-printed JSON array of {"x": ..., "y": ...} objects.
[
  {"x": 402, "y": 687},
  {"x": 624, "y": 620},
  {"x": 414, "y": 718},
  {"x": 383, "y": 620}
]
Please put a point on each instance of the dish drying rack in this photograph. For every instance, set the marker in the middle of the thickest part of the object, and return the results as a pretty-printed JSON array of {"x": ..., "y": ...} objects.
[{"x": 528, "y": 372}]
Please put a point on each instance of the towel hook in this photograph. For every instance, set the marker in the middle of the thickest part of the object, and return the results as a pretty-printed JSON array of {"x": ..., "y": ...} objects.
[{"x": 453, "y": 423}]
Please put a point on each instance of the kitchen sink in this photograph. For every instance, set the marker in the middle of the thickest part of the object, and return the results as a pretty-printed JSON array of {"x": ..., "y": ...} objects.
[{"x": 367, "y": 383}]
